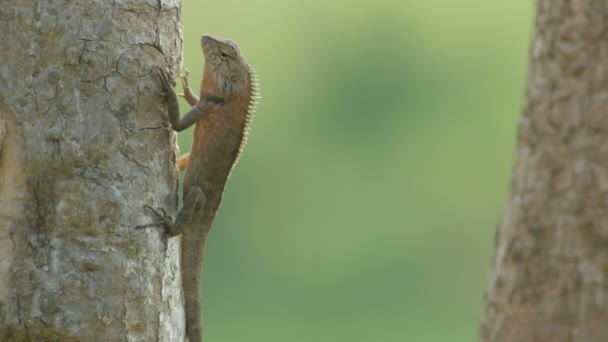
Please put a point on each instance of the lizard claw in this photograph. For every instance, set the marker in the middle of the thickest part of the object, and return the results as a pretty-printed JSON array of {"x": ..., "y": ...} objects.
[
  {"x": 185, "y": 74},
  {"x": 166, "y": 80},
  {"x": 160, "y": 212},
  {"x": 187, "y": 94},
  {"x": 184, "y": 78},
  {"x": 165, "y": 220}
]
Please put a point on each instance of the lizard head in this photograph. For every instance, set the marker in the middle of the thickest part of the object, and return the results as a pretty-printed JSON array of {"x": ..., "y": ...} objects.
[{"x": 225, "y": 64}]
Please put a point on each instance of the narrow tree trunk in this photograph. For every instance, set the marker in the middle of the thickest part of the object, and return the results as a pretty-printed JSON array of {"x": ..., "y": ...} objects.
[
  {"x": 84, "y": 143},
  {"x": 550, "y": 269}
]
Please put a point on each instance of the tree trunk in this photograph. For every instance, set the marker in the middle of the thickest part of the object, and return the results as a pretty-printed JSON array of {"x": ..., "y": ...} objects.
[
  {"x": 84, "y": 144},
  {"x": 548, "y": 281}
]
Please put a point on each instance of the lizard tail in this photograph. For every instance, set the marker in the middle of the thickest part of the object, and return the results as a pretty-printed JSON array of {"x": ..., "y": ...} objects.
[{"x": 192, "y": 261}]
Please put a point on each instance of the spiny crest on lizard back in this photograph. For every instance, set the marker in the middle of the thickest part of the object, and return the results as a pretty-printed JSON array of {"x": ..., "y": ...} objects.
[
  {"x": 254, "y": 97},
  {"x": 227, "y": 66}
]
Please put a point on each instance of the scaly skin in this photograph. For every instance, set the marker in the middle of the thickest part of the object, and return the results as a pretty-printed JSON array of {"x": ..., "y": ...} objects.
[{"x": 222, "y": 115}]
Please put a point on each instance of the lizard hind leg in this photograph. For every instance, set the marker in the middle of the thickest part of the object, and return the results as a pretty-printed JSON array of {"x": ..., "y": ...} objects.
[{"x": 194, "y": 201}]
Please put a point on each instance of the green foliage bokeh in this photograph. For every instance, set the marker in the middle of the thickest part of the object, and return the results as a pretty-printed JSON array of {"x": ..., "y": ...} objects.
[{"x": 365, "y": 204}]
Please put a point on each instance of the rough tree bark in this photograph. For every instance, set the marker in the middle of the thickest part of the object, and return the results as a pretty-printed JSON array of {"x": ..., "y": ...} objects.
[
  {"x": 550, "y": 269},
  {"x": 84, "y": 144}
]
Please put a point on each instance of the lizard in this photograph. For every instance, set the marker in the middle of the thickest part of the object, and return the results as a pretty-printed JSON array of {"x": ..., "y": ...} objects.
[{"x": 228, "y": 97}]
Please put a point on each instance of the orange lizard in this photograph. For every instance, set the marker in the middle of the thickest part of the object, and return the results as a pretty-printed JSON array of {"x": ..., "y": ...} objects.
[{"x": 221, "y": 116}]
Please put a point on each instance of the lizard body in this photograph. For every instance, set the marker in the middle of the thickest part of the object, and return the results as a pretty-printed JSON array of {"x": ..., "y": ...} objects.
[{"x": 221, "y": 116}]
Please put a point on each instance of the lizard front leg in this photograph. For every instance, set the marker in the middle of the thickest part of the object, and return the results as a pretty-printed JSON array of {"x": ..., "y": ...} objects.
[
  {"x": 191, "y": 117},
  {"x": 188, "y": 94}
]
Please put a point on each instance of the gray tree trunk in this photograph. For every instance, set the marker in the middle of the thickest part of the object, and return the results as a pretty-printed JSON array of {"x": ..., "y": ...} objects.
[
  {"x": 84, "y": 144},
  {"x": 550, "y": 269}
]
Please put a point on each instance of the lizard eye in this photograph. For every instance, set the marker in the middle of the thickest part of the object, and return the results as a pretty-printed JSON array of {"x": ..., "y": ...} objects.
[{"x": 223, "y": 54}]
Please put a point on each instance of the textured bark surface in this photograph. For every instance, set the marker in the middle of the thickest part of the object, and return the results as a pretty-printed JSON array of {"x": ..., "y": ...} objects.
[
  {"x": 84, "y": 143},
  {"x": 550, "y": 269}
]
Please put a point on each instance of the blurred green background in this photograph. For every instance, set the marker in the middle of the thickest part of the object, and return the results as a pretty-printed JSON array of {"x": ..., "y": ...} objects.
[{"x": 365, "y": 205}]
